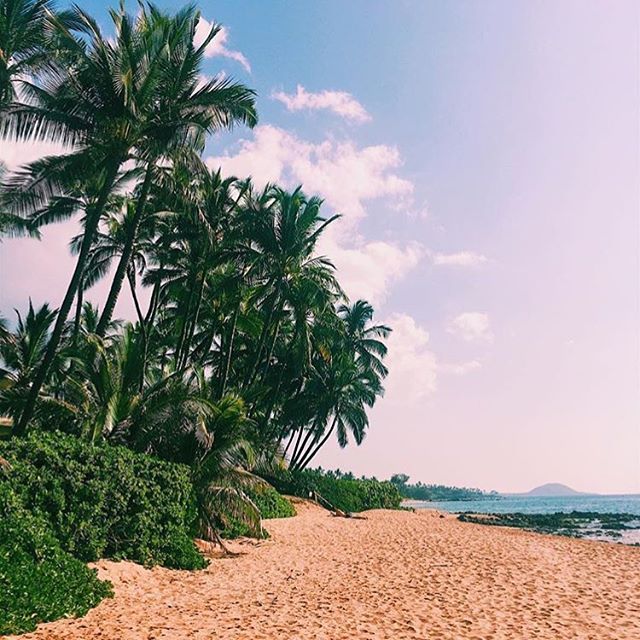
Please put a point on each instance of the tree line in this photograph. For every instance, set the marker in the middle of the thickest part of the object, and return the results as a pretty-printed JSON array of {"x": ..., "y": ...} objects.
[{"x": 249, "y": 352}]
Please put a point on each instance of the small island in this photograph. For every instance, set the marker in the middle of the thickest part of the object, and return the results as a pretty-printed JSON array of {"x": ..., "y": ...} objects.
[{"x": 553, "y": 490}]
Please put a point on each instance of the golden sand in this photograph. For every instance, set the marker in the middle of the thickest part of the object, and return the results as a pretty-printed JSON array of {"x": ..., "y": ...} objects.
[{"x": 395, "y": 575}]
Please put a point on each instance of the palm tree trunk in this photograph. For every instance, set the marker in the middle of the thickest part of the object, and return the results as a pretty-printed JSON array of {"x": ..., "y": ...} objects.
[
  {"x": 294, "y": 455},
  {"x": 185, "y": 323},
  {"x": 52, "y": 347},
  {"x": 286, "y": 449},
  {"x": 227, "y": 356},
  {"x": 153, "y": 302},
  {"x": 251, "y": 374},
  {"x": 299, "y": 448},
  {"x": 192, "y": 328},
  {"x": 274, "y": 339},
  {"x": 78, "y": 317},
  {"x": 306, "y": 460},
  {"x": 143, "y": 331},
  {"x": 125, "y": 257}
]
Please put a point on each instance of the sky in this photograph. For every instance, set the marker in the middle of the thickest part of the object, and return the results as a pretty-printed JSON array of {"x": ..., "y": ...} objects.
[{"x": 485, "y": 160}]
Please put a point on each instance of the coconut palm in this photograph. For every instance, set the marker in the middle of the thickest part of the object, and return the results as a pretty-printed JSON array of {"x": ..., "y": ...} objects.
[
  {"x": 179, "y": 113},
  {"x": 25, "y": 49},
  {"x": 20, "y": 354},
  {"x": 363, "y": 338},
  {"x": 283, "y": 234},
  {"x": 346, "y": 389},
  {"x": 114, "y": 100}
]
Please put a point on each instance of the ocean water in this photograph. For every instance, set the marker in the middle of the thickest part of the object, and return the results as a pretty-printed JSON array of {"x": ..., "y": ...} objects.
[{"x": 537, "y": 504}]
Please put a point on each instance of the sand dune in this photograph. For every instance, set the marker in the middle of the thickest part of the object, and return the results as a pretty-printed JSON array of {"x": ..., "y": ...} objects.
[{"x": 396, "y": 575}]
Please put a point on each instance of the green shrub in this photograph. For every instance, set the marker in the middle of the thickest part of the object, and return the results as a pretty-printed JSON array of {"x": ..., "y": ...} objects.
[
  {"x": 270, "y": 504},
  {"x": 39, "y": 581},
  {"x": 106, "y": 501},
  {"x": 343, "y": 491}
]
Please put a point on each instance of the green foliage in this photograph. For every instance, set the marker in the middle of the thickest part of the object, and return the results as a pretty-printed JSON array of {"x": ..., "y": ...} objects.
[
  {"x": 270, "y": 504},
  {"x": 38, "y": 580},
  {"x": 341, "y": 490},
  {"x": 106, "y": 501},
  {"x": 429, "y": 492}
]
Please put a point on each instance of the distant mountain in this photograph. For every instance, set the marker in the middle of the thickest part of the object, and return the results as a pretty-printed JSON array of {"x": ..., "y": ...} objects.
[{"x": 553, "y": 489}]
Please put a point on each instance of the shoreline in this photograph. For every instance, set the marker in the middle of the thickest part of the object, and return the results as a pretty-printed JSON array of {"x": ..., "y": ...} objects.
[{"x": 397, "y": 574}]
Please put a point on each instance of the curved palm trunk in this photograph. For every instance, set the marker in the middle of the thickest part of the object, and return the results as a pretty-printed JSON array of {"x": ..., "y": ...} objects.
[
  {"x": 300, "y": 448},
  {"x": 125, "y": 257},
  {"x": 153, "y": 302},
  {"x": 312, "y": 452},
  {"x": 54, "y": 342}
]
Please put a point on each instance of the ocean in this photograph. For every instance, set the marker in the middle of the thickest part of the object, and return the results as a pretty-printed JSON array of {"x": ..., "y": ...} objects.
[{"x": 537, "y": 504}]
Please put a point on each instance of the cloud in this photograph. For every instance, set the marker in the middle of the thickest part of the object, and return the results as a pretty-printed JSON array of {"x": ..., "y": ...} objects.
[
  {"x": 17, "y": 154},
  {"x": 344, "y": 174},
  {"x": 339, "y": 102},
  {"x": 471, "y": 326},
  {"x": 347, "y": 177},
  {"x": 460, "y": 259},
  {"x": 218, "y": 46},
  {"x": 369, "y": 269},
  {"x": 413, "y": 367},
  {"x": 461, "y": 369}
]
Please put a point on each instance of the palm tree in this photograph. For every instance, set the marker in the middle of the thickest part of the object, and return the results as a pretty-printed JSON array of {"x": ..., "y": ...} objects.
[
  {"x": 24, "y": 47},
  {"x": 362, "y": 338},
  {"x": 101, "y": 397},
  {"x": 106, "y": 98},
  {"x": 178, "y": 113},
  {"x": 345, "y": 388},
  {"x": 20, "y": 354},
  {"x": 284, "y": 231}
]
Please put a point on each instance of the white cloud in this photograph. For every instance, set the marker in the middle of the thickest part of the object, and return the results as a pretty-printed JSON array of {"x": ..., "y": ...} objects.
[
  {"x": 471, "y": 326},
  {"x": 460, "y": 259},
  {"x": 339, "y": 102},
  {"x": 218, "y": 46},
  {"x": 16, "y": 154},
  {"x": 342, "y": 173},
  {"x": 461, "y": 369},
  {"x": 368, "y": 270},
  {"x": 413, "y": 367},
  {"x": 347, "y": 177}
]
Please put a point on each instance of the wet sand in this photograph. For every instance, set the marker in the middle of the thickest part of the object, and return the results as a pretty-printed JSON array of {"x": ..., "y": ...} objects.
[{"x": 395, "y": 575}]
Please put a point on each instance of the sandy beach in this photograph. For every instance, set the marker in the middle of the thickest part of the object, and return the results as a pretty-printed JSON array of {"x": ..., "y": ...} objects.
[{"x": 395, "y": 575}]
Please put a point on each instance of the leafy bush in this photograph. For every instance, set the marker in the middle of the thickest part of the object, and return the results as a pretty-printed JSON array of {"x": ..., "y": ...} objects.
[
  {"x": 343, "y": 491},
  {"x": 106, "y": 501},
  {"x": 270, "y": 504},
  {"x": 38, "y": 580}
]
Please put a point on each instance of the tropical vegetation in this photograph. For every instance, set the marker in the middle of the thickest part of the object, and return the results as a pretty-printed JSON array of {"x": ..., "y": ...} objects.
[
  {"x": 342, "y": 491},
  {"x": 244, "y": 352},
  {"x": 244, "y": 356},
  {"x": 438, "y": 492}
]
